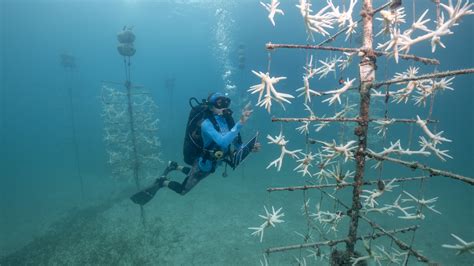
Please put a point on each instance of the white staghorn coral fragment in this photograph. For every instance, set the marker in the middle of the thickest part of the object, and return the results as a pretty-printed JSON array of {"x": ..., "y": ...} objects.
[
  {"x": 383, "y": 126},
  {"x": 396, "y": 43},
  {"x": 390, "y": 19},
  {"x": 327, "y": 219},
  {"x": 404, "y": 93},
  {"x": 267, "y": 87},
  {"x": 441, "y": 154},
  {"x": 271, "y": 219},
  {"x": 337, "y": 93},
  {"x": 328, "y": 66},
  {"x": 305, "y": 164},
  {"x": 372, "y": 195},
  {"x": 418, "y": 25},
  {"x": 424, "y": 86},
  {"x": 435, "y": 138},
  {"x": 396, "y": 148},
  {"x": 387, "y": 209},
  {"x": 272, "y": 9},
  {"x": 461, "y": 248},
  {"x": 306, "y": 91},
  {"x": 333, "y": 151},
  {"x": 455, "y": 13},
  {"x": 426, "y": 90},
  {"x": 396, "y": 205},
  {"x": 393, "y": 147},
  {"x": 344, "y": 17},
  {"x": 443, "y": 84},
  {"x": 315, "y": 23},
  {"x": 304, "y": 129},
  {"x": 338, "y": 175},
  {"x": 393, "y": 257},
  {"x": 371, "y": 256},
  {"x": 425, "y": 203},
  {"x": 415, "y": 216},
  {"x": 280, "y": 141},
  {"x": 344, "y": 63}
]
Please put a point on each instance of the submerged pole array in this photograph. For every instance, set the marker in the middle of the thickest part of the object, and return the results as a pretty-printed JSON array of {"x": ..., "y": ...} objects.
[
  {"x": 331, "y": 153},
  {"x": 68, "y": 62},
  {"x": 131, "y": 122}
]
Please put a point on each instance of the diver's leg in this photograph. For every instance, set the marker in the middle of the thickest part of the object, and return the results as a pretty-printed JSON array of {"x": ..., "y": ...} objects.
[
  {"x": 176, "y": 186},
  {"x": 145, "y": 195},
  {"x": 195, "y": 175},
  {"x": 163, "y": 180},
  {"x": 172, "y": 166}
]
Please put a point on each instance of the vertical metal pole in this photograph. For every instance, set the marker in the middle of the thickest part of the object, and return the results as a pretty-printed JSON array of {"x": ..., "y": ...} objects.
[
  {"x": 367, "y": 77},
  {"x": 74, "y": 137},
  {"x": 136, "y": 163},
  {"x": 134, "y": 141}
]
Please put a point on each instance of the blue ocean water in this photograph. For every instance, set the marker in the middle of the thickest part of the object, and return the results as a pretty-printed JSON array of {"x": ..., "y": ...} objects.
[{"x": 196, "y": 44}]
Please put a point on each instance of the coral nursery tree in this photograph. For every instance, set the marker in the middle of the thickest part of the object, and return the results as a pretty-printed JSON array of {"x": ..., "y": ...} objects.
[
  {"x": 331, "y": 156},
  {"x": 130, "y": 123}
]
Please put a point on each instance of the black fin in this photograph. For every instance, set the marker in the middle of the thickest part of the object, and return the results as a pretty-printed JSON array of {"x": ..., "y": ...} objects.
[{"x": 144, "y": 196}]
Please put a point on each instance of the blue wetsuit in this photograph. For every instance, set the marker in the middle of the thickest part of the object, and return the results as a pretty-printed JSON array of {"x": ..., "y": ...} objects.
[
  {"x": 222, "y": 138},
  {"x": 202, "y": 167}
]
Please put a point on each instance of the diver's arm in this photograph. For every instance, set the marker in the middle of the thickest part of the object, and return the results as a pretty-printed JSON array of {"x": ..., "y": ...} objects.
[
  {"x": 237, "y": 144},
  {"x": 223, "y": 140}
]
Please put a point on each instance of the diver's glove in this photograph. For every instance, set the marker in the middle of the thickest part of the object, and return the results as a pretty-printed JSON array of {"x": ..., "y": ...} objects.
[{"x": 246, "y": 112}]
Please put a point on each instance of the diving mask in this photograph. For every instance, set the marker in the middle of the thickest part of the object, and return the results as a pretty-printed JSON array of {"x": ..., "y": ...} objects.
[{"x": 219, "y": 100}]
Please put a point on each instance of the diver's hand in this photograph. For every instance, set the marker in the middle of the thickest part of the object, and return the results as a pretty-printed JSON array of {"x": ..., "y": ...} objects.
[
  {"x": 257, "y": 147},
  {"x": 246, "y": 112}
]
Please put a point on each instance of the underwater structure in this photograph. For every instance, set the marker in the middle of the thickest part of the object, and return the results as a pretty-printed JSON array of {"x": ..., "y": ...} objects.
[
  {"x": 351, "y": 194},
  {"x": 68, "y": 62},
  {"x": 130, "y": 122}
]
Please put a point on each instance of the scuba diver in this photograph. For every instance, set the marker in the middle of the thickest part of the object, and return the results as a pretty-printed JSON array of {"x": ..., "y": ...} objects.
[{"x": 210, "y": 134}]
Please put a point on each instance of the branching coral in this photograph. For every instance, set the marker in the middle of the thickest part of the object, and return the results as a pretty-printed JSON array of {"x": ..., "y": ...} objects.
[
  {"x": 267, "y": 87},
  {"x": 441, "y": 154},
  {"x": 455, "y": 13},
  {"x": 435, "y": 138},
  {"x": 422, "y": 202},
  {"x": 344, "y": 17},
  {"x": 332, "y": 150},
  {"x": 337, "y": 173},
  {"x": 396, "y": 148},
  {"x": 396, "y": 42},
  {"x": 337, "y": 93},
  {"x": 390, "y": 19},
  {"x": 433, "y": 85},
  {"x": 372, "y": 195},
  {"x": 305, "y": 163},
  {"x": 423, "y": 87},
  {"x": 380, "y": 256},
  {"x": 306, "y": 91},
  {"x": 304, "y": 129},
  {"x": 271, "y": 219},
  {"x": 383, "y": 126},
  {"x": 329, "y": 220},
  {"x": 280, "y": 141},
  {"x": 461, "y": 248},
  {"x": 328, "y": 66},
  {"x": 318, "y": 22},
  {"x": 272, "y": 9},
  {"x": 345, "y": 62},
  {"x": 418, "y": 25}
]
